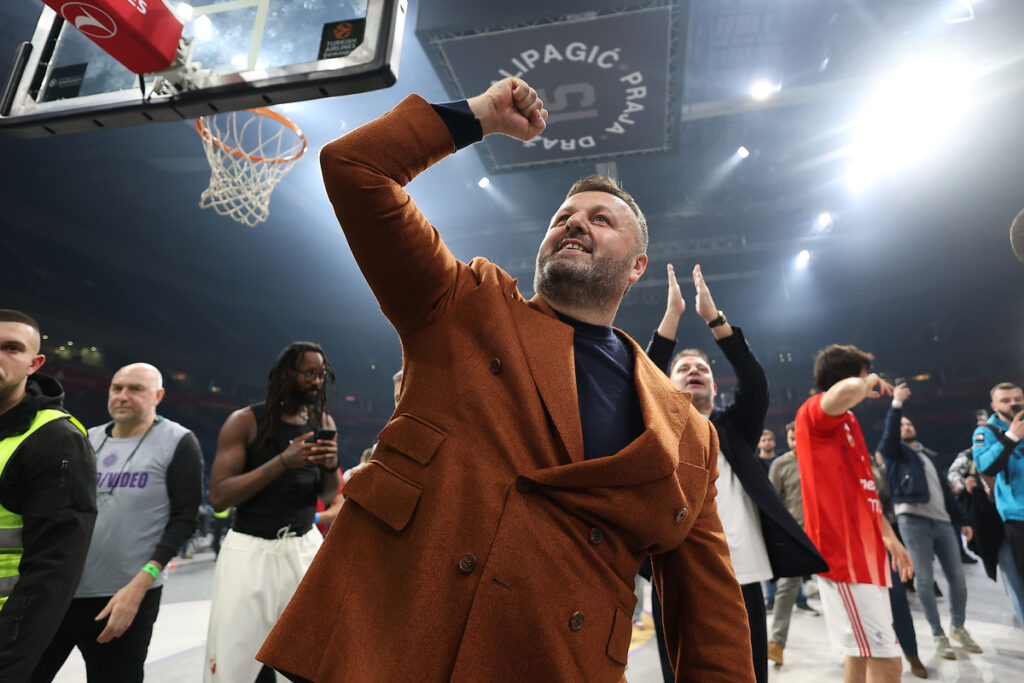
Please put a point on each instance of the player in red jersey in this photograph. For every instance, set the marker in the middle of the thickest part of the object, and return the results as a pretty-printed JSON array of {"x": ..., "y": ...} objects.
[{"x": 843, "y": 516}]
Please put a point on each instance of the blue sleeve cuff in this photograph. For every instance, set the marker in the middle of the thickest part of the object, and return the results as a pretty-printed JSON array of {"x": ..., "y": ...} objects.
[{"x": 465, "y": 128}]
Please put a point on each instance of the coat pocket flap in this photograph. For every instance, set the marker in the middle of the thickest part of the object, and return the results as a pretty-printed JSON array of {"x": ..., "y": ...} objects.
[
  {"x": 384, "y": 494},
  {"x": 413, "y": 437},
  {"x": 622, "y": 633}
]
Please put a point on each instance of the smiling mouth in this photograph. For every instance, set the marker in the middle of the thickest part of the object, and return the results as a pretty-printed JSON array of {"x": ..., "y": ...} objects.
[{"x": 573, "y": 245}]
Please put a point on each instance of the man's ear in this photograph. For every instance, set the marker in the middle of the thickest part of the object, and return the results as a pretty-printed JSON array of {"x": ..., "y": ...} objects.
[
  {"x": 639, "y": 266},
  {"x": 37, "y": 363},
  {"x": 160, "y": 394}
]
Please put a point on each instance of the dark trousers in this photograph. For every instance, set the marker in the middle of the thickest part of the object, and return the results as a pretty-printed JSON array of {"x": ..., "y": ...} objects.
[
  {"x": 753, "y": 599},
  {"x": 120, "y": 660},
  {"x": 902, "y": 622},
  {"x": 1014, "y": 531}
]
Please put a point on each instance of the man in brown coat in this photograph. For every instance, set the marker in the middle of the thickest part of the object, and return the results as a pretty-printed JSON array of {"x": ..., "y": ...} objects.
[{"x": 535, "y": 457}]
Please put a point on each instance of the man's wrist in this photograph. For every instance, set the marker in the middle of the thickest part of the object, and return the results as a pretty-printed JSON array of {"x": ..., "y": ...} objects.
[{"x": 1011, "y": 436}]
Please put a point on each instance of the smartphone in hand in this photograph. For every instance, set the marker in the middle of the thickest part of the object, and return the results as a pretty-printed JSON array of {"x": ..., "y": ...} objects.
[{"x": 326, "y": 435}]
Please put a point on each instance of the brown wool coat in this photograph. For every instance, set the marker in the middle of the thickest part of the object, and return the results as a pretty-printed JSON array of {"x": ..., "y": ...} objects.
[{"x": 478, "y": 545}]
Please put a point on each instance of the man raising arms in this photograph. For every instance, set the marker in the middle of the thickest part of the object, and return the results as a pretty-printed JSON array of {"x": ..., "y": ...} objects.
[{"x": 535, "y": 456}]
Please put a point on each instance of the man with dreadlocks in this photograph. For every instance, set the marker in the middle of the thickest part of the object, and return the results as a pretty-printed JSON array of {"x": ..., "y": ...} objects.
[{"x": 270, "y": 467}]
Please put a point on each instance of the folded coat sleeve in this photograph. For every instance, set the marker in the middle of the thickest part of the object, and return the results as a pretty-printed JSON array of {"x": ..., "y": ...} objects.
[{"x": 706, "y": 629}]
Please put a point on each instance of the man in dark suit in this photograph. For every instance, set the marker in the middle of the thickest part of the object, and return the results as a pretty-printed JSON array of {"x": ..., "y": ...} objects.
[{"x": 765, "y": 542}]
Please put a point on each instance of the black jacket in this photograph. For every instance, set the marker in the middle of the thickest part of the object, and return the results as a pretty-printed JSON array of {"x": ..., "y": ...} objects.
[
  {"x": 739, "y": 426},
  {"x": 904, "y": 471},
  {"x": 51, "y": 482}
]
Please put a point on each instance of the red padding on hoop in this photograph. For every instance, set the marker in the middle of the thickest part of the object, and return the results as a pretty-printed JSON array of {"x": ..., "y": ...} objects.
[{"x": 141, "y": 34}]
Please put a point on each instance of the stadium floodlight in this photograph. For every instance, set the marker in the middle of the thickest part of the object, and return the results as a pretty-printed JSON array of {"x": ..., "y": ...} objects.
[
  {"x": 762, "y": 90},
  {"x": 824, "y": 220},
  {"x": 803, "y": 258},
  {"x": 956, "y": 11},
  {"x": 908, "y": 115},
  {"x": 483, "y": 182},
  {"x": 742, "y": 152}
]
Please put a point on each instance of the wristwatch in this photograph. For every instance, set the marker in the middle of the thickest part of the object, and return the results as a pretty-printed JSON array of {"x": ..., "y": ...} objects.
[{"x": 720, "y": 320}]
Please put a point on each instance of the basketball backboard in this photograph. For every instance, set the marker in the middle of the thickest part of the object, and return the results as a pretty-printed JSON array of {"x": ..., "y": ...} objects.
[{"x": 242, "y": 54}]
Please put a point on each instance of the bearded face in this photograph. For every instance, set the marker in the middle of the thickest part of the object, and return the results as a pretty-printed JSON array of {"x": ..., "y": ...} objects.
[
  {"x": 590, "y": 254},
  {"x": 588, "y": 281}
]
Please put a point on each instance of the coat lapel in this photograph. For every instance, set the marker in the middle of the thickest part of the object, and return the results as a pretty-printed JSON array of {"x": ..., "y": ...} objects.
[{"x": 547, "y": 343}]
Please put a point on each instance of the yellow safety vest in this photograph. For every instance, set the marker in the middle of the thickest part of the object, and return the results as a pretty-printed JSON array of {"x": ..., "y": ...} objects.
[{"x": 10, "y": 523}]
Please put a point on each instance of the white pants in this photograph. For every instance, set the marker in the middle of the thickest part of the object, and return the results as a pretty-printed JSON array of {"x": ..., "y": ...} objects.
[{"x": 252, "y": 583}]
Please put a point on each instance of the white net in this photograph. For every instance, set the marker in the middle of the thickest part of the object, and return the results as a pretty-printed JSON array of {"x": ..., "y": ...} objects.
[{"x": 249, "y": 152}]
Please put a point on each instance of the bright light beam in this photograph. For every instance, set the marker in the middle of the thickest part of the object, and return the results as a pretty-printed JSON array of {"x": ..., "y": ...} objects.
[
  {"x": 762, "y": 90},
  {"x": 909, "y": 115},
  {"x": 803, "y": 258},
  {"x": 824, "y": 220},
  {"x": 483, "y": 182},
  {"x": 742, "y": 152}
]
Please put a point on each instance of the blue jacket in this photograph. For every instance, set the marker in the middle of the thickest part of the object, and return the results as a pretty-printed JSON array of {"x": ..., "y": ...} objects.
[
  {"x": 998, "y": 456},
  {"x": 904, "y": 471}
]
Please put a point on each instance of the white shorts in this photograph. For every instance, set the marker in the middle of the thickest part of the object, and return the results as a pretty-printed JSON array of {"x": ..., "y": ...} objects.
[
  {"x": 858, "y": 617},
  {"x": 253, "y": 581}
]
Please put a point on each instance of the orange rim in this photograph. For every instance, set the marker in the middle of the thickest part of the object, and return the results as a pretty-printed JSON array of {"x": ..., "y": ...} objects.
[{"x": 205, "y": 133}]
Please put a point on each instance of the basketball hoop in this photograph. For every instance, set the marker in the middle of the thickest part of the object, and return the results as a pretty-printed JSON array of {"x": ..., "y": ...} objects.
[{"x": 249, "y": 152}]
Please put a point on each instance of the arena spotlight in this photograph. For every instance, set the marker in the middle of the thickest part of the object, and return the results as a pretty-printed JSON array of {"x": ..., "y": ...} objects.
[
  {"x": 203, "y": 28},
  {"x": 184, "y": 11},
  {"x": 742, "y": 152},
  {"x": 907, "y": 116},
  {"x": 762, "y": 90},
  {"x": 803, "y": 258},
  {"x": 956, "y": 11},
  {"x": 483, "y": 182},
  {"x": 824, "y": 220}
]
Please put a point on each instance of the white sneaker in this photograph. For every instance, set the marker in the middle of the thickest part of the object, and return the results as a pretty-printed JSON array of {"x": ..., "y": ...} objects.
[
  {"x": 961, "y": 636},
  {"x": 943, "y": 648}
]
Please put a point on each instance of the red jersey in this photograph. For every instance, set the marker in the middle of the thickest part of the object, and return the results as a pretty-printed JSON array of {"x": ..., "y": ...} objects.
[{"x": 842, "y": 513}]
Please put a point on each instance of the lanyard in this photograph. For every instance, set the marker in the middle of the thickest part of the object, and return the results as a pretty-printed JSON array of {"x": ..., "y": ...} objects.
[{"x": 131, "y": 455}]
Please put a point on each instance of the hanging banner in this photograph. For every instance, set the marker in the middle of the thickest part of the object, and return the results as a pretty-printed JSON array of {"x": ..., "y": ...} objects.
[{"x": 604, "y": 81}]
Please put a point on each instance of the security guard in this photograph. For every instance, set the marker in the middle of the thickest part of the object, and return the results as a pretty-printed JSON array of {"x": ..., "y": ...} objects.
[{"x": 47, "y": 499}]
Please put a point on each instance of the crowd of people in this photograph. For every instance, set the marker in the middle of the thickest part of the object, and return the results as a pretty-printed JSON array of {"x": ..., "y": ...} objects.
[{"x": 537, "y": 460}]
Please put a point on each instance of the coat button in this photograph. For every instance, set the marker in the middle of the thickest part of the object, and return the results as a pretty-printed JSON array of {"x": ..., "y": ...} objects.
[
  {"x": 681, "y": 515},
  {"x": 467, "y": 563},
  {"x": 522, "y": 485},
  {"x": 596, "y": 535},
  {"x": 495, "y": 366},
  {"x": 576, "y": 621}
]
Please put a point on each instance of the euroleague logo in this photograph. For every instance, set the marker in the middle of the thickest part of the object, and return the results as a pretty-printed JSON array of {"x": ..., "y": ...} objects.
[
  {"x": 90, "y": 20},
  {"x": 343, "y": 30}
]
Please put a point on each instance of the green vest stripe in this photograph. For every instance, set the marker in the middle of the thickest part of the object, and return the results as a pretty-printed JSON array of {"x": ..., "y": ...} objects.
[{"x": 10, "y": 522}]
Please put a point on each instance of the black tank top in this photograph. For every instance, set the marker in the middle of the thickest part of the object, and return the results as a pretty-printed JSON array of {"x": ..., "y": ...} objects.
[{"x": 287, "y": 501}]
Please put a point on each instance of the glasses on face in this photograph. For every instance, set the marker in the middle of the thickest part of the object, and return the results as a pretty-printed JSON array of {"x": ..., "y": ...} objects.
[{"x": 313, "y": 374}]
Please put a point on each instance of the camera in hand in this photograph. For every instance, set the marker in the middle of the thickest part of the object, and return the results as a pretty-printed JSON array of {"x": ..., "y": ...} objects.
[
  {"x": 326, "y": 435},
  {"x": 1016, "y": 408}
]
